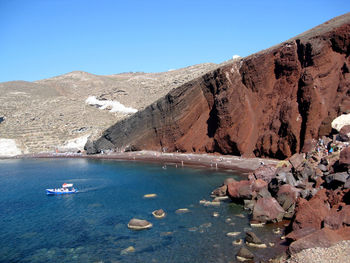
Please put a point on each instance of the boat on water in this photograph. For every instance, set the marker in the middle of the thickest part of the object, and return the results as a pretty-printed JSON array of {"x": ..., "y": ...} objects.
[{"x": 65, "y": 189}]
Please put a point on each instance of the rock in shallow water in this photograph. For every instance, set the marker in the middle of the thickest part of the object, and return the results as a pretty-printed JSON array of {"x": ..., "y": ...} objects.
[
  {"x": 244, "y": 255},
  {"x": 158, "y": 213},
  {"x": 139, "y": 224}
]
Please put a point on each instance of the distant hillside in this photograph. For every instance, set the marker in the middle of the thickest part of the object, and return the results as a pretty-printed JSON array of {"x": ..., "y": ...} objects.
[{"x": 45, "y": 115}]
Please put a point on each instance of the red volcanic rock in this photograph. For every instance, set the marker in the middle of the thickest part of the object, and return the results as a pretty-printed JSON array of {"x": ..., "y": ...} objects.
[
  {"x": 310, "y": 214},
  {"x": 297, "y": 160},
  {"x": 337, "y": 219},
  {"x": 267, "y": 210},
  {"x": 344, "y": 133},
  {"x": 265, "y": 172},
  {"x": 240, "y": 190},
  {"x": 344, "y": 157},
  {"x": 324, "y": 237},
  {"x": 259, "y": 184},
  {"x": 267, "y": 104}
]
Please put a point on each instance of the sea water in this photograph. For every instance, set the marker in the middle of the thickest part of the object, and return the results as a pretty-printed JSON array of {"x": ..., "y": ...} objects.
[{"x": 91, "y": 226}]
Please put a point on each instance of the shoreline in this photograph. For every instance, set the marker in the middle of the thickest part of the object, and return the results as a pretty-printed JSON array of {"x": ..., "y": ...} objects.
[{"x": 220, "y": 162}]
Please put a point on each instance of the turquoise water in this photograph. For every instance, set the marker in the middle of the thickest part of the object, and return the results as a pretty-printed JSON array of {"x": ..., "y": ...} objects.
[{"x": 91, "y": 226}]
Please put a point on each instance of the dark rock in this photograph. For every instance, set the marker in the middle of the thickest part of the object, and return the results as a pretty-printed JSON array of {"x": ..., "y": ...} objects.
[
  {"x": 322, "y": 167},
  {"x": 90, "y": 147},
  {"x": 344, "y": 133},
  {"x": 265, "y": 172},
  {"x": 324, "y": 161},
  {"x": 268, "y": 210},
  {"x": 274, "y": 186},
  {"x": 336, "y": 180},
  {"x": 287, "y": 197},
  {"x": 252, "y": 238},
  {"x": 306, "y": 172},
  {"x": 344, "y": 157},
  {"x": 347, "y": 184},
  {"x": 244, "y": 253},
  {"x": 297, "y": 160},
  {"x": 132, "y": 148},
  {"x": 221, "y": 191}
]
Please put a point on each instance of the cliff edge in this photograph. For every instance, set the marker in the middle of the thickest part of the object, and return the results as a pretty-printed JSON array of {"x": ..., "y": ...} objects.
[{"x": 270, "y": 104}]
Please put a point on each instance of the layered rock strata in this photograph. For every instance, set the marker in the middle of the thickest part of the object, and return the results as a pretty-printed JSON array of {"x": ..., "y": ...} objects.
[{"x": 268, "y": 104}]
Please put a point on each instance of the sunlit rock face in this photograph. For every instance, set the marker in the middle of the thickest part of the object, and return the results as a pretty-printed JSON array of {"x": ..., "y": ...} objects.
[{"x": 268, "y": 104}]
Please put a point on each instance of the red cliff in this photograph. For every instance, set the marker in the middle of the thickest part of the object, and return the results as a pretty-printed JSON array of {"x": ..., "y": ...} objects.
[{"x": 268, "y": 104}]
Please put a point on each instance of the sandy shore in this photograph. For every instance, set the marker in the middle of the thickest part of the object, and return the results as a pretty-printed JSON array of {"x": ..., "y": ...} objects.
[{"x": 225, "y": 162}]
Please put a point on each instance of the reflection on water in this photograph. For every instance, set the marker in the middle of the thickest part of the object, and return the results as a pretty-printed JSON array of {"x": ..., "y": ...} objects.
[{"x": 91, "y": 226}]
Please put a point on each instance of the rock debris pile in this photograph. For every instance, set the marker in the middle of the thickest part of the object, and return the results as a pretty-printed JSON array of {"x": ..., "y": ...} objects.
[{"x": 311, "y": 189}]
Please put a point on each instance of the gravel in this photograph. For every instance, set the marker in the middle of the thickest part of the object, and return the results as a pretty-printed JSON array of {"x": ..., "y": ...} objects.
[{"x": 339, "y": 253}]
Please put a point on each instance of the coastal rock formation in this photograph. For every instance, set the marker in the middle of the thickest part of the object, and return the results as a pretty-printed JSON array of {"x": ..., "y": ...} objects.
[
  {"x": 273, "y": 103},
  {"x": 46, "y": 115}
]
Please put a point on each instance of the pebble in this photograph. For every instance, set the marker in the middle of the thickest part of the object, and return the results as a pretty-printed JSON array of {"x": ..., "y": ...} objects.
[
  {"x": 232, "y": 234},
  {"x": 216, "y": 214},
  {"x": 150, "y": 195},
  {"x": 182, "y": 210},
  {"x": 339, "y": 253},
  {"x": 127, "y": 250}
]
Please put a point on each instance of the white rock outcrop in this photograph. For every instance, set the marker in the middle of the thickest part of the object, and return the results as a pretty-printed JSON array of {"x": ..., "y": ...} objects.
[
  {"x": 341, "y": 121},
  {"x": 8, "y": 148}
]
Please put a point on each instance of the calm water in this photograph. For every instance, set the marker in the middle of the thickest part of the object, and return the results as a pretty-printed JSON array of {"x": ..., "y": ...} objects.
[{"x": 91, "y": 226}]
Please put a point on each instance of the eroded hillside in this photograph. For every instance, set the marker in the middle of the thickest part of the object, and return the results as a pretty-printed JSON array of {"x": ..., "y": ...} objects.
[
  {"x": 272, "y": 103},
  {"x": 52, "y": 114}
]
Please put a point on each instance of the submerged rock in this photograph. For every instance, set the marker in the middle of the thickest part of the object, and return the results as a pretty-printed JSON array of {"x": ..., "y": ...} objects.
[
  {"x": 127, "y": 250},
  {"x": 182, "y": 210},
  {"x": 253, "y": 241},
  {"x": 139, "y": 224},
  {"x": 244, "y": 255},
  {"x": 158, "y": 213}
]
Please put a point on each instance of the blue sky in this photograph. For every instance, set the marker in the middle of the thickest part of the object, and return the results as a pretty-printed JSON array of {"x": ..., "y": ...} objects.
[{"x": 45, "y": 38}]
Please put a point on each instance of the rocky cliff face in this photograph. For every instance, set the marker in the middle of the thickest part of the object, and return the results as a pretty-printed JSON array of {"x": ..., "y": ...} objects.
[{"x": 272, "y": 103}]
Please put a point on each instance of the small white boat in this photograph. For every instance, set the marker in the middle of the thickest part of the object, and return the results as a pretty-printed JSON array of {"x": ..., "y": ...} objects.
[{"x": 65, "y": 189}]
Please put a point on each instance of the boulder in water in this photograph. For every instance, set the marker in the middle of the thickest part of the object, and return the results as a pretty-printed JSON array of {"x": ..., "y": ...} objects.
[{"x": 139, "y": 224}]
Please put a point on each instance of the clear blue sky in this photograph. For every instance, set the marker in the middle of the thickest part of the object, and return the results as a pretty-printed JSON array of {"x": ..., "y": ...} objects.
[{"x": 44, "y": 38}]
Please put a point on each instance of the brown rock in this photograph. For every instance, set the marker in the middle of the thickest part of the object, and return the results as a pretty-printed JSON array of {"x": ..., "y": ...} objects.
[
  {"x": 344, "y": 157},
  {"x": 337, "y": 219},
  {"x": 324, "y": 237},
  {"x": 265, "y": 172},
  {"x": 238, "y": 107},
  {"x": 310, "y": 214},
  {"x": 267, "y": 210},
  {"x": 297, "y": 160},
  {"x": 344, "y": 133},
  {"x": 240, "y": 190},
  {"x": 259, "y": 184}
]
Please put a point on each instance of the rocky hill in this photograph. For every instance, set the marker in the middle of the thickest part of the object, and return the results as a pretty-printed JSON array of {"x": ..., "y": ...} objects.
[
  {"x": 52, "y": 114},
  {"x": 272, "y": 103}
]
